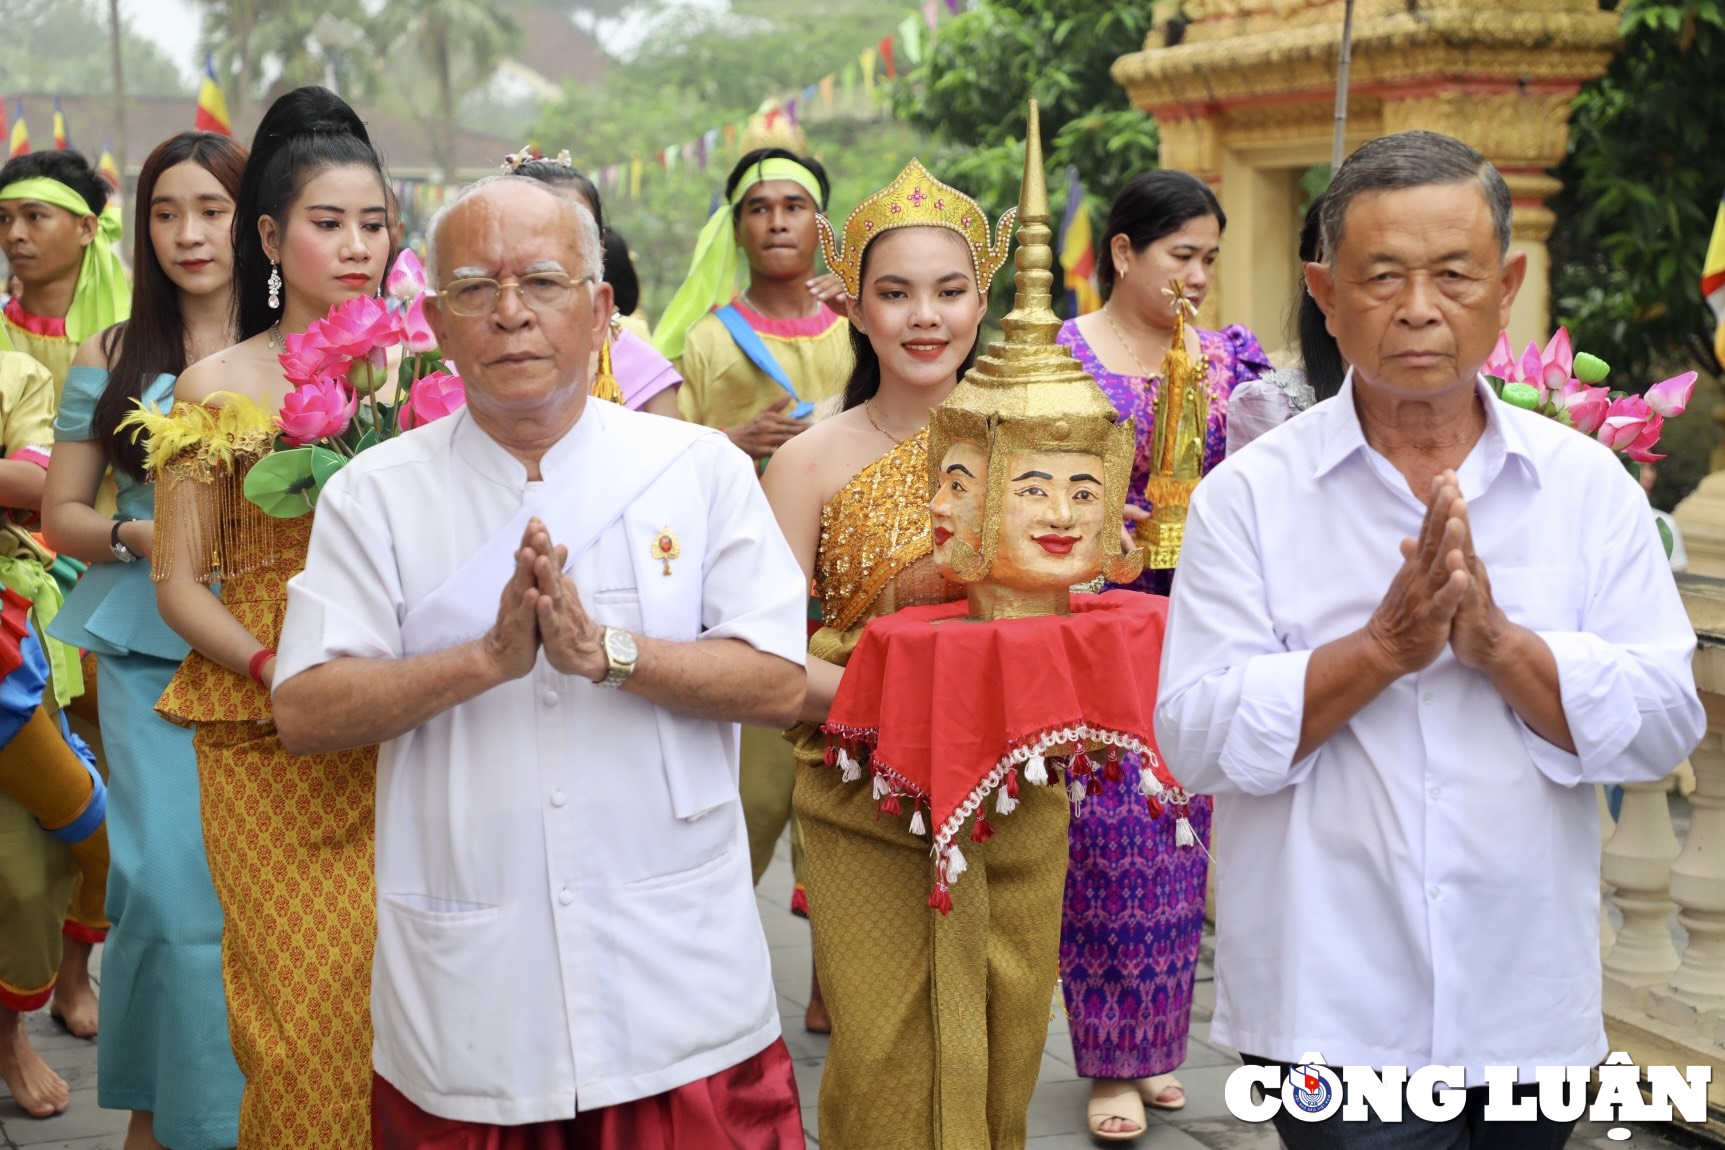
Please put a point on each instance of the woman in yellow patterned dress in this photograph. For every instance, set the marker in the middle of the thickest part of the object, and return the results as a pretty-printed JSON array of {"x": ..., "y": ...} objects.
[
  {"x": 914, "y": 1062},
  {"x": 289, "y": 837}
]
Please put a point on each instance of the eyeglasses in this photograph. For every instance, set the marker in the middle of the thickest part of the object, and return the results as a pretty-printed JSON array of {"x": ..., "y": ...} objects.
[{"x": 541, "y": 291}]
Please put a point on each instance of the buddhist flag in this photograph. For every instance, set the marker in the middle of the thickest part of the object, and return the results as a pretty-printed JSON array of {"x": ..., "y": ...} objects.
[
  {"x": 61, "y": 140},
  {"x": 1713, "y": 267},
  {"x": 108, "y": 169},
  {"x": 867, "y": 62},
  {"x": 19, "y": 143},
  {"x": 885, "y": 49},
  {"x": 212, "y": 105},
  {"x": 1078, "y": 250}
]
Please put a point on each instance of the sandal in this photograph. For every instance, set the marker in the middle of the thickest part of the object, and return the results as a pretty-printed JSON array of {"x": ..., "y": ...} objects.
[
  {"x": 1112, "y": 1098},
  {"x": 1157, "y": 1089}
]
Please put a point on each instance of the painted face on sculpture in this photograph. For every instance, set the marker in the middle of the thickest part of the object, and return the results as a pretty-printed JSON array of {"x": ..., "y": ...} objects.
[
  {"x": 1051, "y": 522},
  {"x": 958, "y": 504}
]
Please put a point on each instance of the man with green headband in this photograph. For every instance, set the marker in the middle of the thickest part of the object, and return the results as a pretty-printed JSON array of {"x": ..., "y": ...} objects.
[
  {"x": 57, "y": 230},
  {"x": 756, "y": 365}
]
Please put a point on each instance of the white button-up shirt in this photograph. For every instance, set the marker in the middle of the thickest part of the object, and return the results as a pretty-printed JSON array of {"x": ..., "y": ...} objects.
[
  {"x": 1424, "y": 887},
  {"x": 565, "y": 912}
]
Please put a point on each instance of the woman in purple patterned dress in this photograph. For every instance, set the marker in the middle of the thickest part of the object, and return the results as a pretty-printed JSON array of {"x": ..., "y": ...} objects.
[{"x": 1134, "y": 902}]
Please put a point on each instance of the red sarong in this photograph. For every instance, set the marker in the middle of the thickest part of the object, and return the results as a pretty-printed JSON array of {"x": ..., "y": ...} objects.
[{"x": 751, "y": 1106}]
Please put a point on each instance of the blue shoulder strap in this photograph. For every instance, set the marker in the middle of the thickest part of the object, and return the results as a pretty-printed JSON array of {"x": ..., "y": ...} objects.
[{"x": 750, "y": 341}]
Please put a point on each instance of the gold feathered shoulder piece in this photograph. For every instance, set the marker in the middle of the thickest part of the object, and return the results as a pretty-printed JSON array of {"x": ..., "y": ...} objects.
[
  {"x": 199, "y": 454},
  {"x": 207, "y": 435}
]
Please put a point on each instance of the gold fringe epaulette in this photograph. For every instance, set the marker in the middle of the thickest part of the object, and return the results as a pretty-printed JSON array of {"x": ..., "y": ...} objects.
[{"x": 199, "y": 455}]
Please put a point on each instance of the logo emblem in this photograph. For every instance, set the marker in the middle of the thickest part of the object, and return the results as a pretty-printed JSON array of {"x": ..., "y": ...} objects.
[
  {"x": 665, "y": 548},
  {"x": 1311, "y": 1092}
]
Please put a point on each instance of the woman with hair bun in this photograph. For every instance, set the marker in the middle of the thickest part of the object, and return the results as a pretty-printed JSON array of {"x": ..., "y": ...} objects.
[
  {"x": 290, "y": 838},
  {"x": 1134, "y": 900},
  {"x": 162, "y": 1049}
]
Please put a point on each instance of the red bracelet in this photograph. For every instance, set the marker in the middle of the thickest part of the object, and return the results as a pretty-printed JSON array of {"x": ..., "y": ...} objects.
[{"x": 255, "y": 668}]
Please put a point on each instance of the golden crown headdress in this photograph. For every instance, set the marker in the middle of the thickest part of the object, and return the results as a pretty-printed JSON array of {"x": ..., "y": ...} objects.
[{"x": 916, "y": 199}]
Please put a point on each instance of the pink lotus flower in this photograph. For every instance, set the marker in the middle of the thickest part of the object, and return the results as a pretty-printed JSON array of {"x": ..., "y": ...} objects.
[
  {"x": 433, "y": 397},
  {"x": 358, "y": 325},
  {"x": 406, "y": 281},
  {"x": 1557, "y": 361},
  {"x": 1632, "y": 427},
  {"x": 307, "y": 356},
  {"x": 417, "y": 331},
  {"x": 1670, "y": 397},
  {"x": 1587, "y": 407},
  {"x": 1501, "y": 363},
  {"x": 321, "y": 409}
]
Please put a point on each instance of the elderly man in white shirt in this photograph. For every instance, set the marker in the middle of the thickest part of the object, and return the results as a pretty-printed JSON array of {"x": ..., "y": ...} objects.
[
  {"x": 552, "y": 612},
  {"x": 1403, "y": 741}
]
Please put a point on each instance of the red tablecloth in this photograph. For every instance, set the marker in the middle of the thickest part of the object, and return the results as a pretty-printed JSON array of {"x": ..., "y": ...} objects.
[{"x": 943, "y": 711}]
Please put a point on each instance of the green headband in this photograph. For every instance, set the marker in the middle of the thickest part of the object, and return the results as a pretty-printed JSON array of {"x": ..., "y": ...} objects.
[
  {"x": 102, "y": 297},
  {"x": 713, "y": 271}
]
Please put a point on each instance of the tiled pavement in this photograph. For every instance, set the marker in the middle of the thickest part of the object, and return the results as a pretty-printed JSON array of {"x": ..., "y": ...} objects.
[{"x": 1056, "y": 1113}]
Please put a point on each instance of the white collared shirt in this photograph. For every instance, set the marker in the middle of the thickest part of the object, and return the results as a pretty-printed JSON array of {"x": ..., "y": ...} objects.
[
  {"x": 565, "y": 913},
  {"x": 1424, "y": 887}
]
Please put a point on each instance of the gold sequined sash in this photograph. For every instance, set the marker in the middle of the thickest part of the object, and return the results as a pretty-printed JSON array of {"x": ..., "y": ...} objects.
[{"x": 874, "y": 528}]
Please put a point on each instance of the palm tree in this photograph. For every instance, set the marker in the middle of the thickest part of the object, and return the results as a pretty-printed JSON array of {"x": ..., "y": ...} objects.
[
  {"x": 463, "y": 42},
  {"x": 255, "y": 40}
]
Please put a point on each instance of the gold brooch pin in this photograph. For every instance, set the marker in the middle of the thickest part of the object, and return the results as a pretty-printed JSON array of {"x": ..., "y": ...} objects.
[{"x": 665, "y": 548}]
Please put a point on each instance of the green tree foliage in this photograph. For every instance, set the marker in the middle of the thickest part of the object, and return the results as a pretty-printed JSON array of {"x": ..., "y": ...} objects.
[
  {"x": 971, "y": 88},
  {"x": 702, "y": 71},
  {"x": 61, "y": 46},
  {"x": 458, "y": 46},
  {"x": 1642, "y": 181},
  {"x": 264, "y": 45}
]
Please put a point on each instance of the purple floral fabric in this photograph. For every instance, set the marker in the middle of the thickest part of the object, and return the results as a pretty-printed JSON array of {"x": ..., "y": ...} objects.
[
  {"x": 1134, "y": 912},
  {"x": 1129, "y": 935}
]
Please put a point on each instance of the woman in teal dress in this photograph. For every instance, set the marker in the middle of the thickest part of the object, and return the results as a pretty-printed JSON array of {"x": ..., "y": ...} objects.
[{"x": 163, "y": 1050}]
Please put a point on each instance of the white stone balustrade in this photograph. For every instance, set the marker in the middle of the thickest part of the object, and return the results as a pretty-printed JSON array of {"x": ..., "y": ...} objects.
[{"x": 1665, "y": 1005}]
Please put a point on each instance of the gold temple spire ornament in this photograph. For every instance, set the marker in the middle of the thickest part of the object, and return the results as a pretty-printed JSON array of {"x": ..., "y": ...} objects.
[
  {"x": 1176, "y": 442},
  {"x": 605, "y": 385},
  {"x": 1030, "y": 461}
]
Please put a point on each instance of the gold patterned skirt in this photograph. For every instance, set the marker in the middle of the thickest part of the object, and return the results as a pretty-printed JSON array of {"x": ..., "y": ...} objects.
[
  {"x": 938, "y": 1020},
  {"x": 290, "y": 840}
]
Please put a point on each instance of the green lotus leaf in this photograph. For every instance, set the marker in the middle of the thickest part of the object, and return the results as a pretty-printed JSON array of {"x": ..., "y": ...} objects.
[
  {"x": 325, "y": 463},
  {"x": 283, "y": 483}
]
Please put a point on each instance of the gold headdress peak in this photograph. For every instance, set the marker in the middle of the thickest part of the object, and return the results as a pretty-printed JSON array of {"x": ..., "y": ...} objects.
[
  {"x": 916, "y": 199},
  {"x": 1028, "y": 393}
]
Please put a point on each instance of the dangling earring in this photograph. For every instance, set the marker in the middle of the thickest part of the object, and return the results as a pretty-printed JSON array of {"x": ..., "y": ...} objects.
[{"x": 275, "y": 285}]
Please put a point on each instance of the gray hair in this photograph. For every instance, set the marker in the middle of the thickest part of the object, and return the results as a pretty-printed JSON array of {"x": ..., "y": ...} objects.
[
  {"x": 588, "y": 246},
  {"x": 1412, "y": 160}
]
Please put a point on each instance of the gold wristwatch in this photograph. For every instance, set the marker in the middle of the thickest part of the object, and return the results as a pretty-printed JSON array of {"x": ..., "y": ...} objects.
[{"x": 620, "y": 656}]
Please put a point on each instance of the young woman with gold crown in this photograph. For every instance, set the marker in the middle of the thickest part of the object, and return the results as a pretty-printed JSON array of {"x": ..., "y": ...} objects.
[
  {"x": 938, "y": 1022},
  {"x": 289, "y": 837}
]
